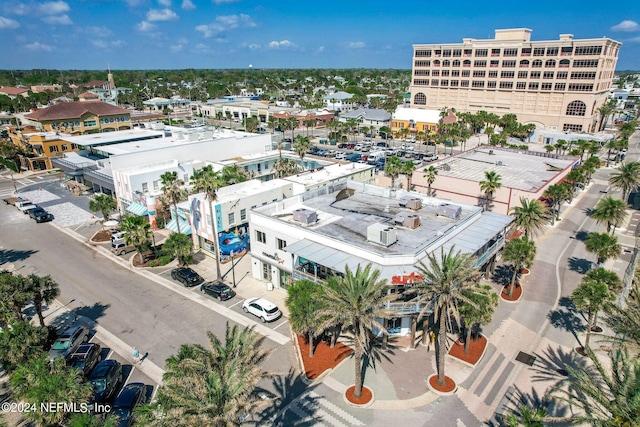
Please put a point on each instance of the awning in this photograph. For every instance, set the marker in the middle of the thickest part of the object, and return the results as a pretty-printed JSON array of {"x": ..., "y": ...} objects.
[
  {"x": 185, "y": 228},
  {"x": 138, "y": 209},
  {"x": 326, "y": 256}
]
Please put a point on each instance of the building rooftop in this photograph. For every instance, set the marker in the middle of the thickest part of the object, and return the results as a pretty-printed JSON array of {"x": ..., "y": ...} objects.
[
  {"x": 327, "y": 173},
  {"x": 346, "y": 214},
  {"x": 523, "y": 170},
  {"x": 72, "y": 110},
  {"x": 367, "y": 114},
  {"x": 107, "y": 138},
  {"x": 417, "y": 115}
]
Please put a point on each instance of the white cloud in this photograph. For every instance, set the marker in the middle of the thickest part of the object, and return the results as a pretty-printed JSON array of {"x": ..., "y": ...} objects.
[
  {"x": 633, "y": 40},
  {"x": 321, "y": 49},
  {"x": 98, "y": 31},
  {"x": 58, "y": 20},
  {"x": 100, "y": 44},
  {"x": 134, "y": 3},
  {"x": 36, "y": 46},
  {"x": 118, "y": 43},
  {"x": 145, "y": 27},
  {"x": 179, "y": 45},
  {"x": 202, "y": 48},
  {"x": 161, "y": 15},
  {"x": 225, "y": 22},
  {"x": 53, "y": 8},
  {"x": 283, "y": 44},
  {"x": 17, "y": 9},
  {"x": 188, "y": 5},
  {"x": 225, "y": 1},
  {"x": 356, "y": 45},
  {"x": 253, "y": 46},
  {"x": 165, "y": 3},
  {"x": 626, "y": 25},
  {"x": 6, "y": 23}
]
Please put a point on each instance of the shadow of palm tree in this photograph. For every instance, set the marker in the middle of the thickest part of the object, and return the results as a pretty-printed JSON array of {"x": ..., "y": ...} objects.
[
  {"x": 567, "y": 317},
  {"x": 376, "y": 353},
  {"x": 581, "y": 235},
  {"x": 516, "y": 400},
  {"x": 293, "y": 404},
  {"x": 12, "y": 255},
  {"x": 580, "y": 265},
  {"x": 502, "y": 275},
  {"x": 93, "y": 312}
]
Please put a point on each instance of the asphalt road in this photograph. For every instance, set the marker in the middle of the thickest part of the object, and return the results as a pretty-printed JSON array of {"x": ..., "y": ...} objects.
[{"x": 138, "y": 311}]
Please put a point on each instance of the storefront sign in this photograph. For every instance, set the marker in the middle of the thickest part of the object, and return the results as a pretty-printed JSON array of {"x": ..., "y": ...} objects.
[
  {"x": 274, "y": 257},
  {"x": 406, "y": 280}
]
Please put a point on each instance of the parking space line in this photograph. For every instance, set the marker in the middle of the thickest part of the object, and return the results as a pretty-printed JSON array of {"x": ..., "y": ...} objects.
[
  {"x": 280, "y": 325},
  {"x": 233, "y": 305}
]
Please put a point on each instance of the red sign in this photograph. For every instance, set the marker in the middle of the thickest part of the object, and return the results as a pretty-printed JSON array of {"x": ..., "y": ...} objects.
[{"x": 406, "y": 280}]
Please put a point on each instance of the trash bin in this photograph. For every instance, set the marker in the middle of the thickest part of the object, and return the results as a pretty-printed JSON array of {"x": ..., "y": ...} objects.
[{"x": 269, "y": 286}]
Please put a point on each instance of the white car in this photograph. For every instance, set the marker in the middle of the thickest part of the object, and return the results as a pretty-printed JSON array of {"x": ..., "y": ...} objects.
[{"x": 262, "y": 308}]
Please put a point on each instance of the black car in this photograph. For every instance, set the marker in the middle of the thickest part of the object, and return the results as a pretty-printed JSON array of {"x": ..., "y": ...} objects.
[
  {"x": 85, "y": 357},
  {"x": 132, "y": 395},
  {"x": 186, "y": 276},
  {"x": 40, "y": 215},
  {"x": 218, "y": 290},
  {"x": 105, "y": 379}
]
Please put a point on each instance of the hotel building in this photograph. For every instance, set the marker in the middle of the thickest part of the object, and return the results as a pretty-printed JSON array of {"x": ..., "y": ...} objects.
[{"x": 555, "y": 84}]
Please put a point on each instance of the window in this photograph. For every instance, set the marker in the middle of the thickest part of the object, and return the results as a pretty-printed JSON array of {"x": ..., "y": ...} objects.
[
  {"x": 467, "y": 52},
  {"x": 526, "y": 51},
  {"x": 536, "y": 64},
  {"x": 436, "y": 63},
  {"x": 588, "y": 50},
  {"x": 243, "y": 215},
  {"x": 466, "y": 63},
  {"x": 444, "y": 82},
  {"x": 479, "y": 63},
  {"x": 552, "y": 51},
  {"x": 482, "y": 52},
  {"x": 576, "y": 108},
  {"x": 464, "y": 83},
  {"x": 436, "y": 73},
  {"x": 566, "y": 50},
  {"x": 538, "y": 51},
  {"x": 422, "y": 63},
  {"x": 581, "y": 75},
  {"x": 509, "y": 64},
  {"x": 185, "y": 178},
  {"x": 580, "y": 87},
  {"x": 444, "y": 73},
  {"x": 521, "y": 85},
  {"x": 562, "y": 75},
  {"x": 446, "y": 52},
  {"x": 454, "y": 83},
  {"x": 446, "y": 63},
  {"x": 423, "y": 53},
  {"x": 523, "y": 74},
  {"x": 546, "y": 86},
  {"x": 524, "y": 63},
  {"x": 89, "y": 123},
  {"x": 478, "y": 73},
  {"x": 434, "y": 82},
  {"x": 145, "y": 187},
  {"x": 506, "y": 85},
  {"x": 560, "y": 86},
  {"x": 64, "y": 147},
  {"x": 535, "y": 74},
  {"x": 466, "y": 73},
  {"x": 457, "y": 53},
  {"x": 232, "y": 218},
  {"x": 437, "y": 52},
  {"x": 491, "y": 84},
  {"x": 421, "y": 72},
  {"x": 261, "y": 237},
  {"x": 281, "y": 244},
  {"x": 510, "y": 52},
  {"x": 551, "y": 63},
  {"x": 493, "y": 74},
  {"x": 507, "y": 74},
  {"x": 548, "y": 75},
  {"x": 421, "y": 82},
  {"x": 455, "y": 73},
  {"x": 571, "y": 128},
  {"x": 495, "y": 52},
  {"x": 494, "y": 63},
  {"x": 533, "y": 86},
  {"x": 53, "y": 148},
  {"x": 156, "y": 184},
  {"x": 456, "y": 63},
  {"x": 420, "y": 99},
  {"x": 584, "y": 63},
  {"x": 477, "y": 83}
]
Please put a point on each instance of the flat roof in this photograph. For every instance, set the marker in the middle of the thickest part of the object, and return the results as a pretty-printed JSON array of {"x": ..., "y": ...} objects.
[
  {"x": 326, "y": 173},
  {"x": 347, "y": 219},
  {"x": 244, "y": 189},
  {"x": 519, "y": 169},
  {"x": 106, "y": 138}
]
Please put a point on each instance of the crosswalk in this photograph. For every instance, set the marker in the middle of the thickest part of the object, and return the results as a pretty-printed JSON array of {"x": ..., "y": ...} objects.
[{"x": 313, "y": 409}]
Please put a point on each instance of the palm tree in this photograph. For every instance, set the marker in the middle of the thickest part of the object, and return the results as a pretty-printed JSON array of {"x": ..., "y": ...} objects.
[
  {"x": 488, "y": 186},
  {"x": 561, "y": 146},
  {"x": 15, "y": 294},
  {"x": 531, "y": 216},
  {"x": 393, "y": 168},
  {"x": 42, "y": 289},
  {"x": 180, "y": 246},
  {"x": 213, "y": 386},
  {"x": 104, "y": 204},
  {"x": 603, "y": 245},
  {"x": 233, "y": 174},
  {"x": 573, "y": 178},
  {"x": 479, "y": 311},
  {"x": 624, "y": 319},
  {"x": 21, "y": 343},
  {"x": 557, "y": 193},
  {"x": 605, "y": 111},
  {"x": 610, "y": 210},
  {"x": 301, "y": 144},
  {"x": 304, "y": 302},
  {"x": 446, "y": 283},
  {"x": 520, "y": 252},
  {"x": 173, "y": 192},
  {"x": 136, "y": 233},
  {"x": 309, "y": 123},
  {"x": 526, "y": 417},
  {"x": 40, "y": 381},
  {"x": 408, "y": 169},
  {"x": 627, "y": 178},
  {"x": 89, "y": 420},
  {"x": 356, "y": 301},
  {"x": 604, "y": 394},
  {"x": 207, "y": 181},
  {"x": 430, "y": 173},
  {"x": 593, "y": 294}
]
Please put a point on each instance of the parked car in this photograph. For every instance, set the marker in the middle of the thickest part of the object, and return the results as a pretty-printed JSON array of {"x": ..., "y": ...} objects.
[
  {"x": 353, "y": 157},
  {"x": 351, "y": 146},
  {"x": 218, "y": 290},
  {"x": 341, "y": 156},
  {"x": 122, "y": 248},
  {"x": 85, "y": 358},
  {"x": 358, "y": 147},
  {"x": 186, "y": 276},
  {"x": 68, "y": 342},
  {"x": 24, "y": 205},
  {"x": 132, "y": 395},
  {"x": 40, "y": 215},
  {"x": 430, "y": 157},
  {"x": 105, "y": 379},
  {"x": 342, "y": 145},
  {"x": 262, "y": 308}
]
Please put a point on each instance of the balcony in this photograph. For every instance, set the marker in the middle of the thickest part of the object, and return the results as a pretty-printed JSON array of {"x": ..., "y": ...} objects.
[{"x": 406, "y": 308}]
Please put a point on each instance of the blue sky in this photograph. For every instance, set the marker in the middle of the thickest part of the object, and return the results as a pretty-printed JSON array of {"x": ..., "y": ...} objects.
[{"x": 176, "y": 34}]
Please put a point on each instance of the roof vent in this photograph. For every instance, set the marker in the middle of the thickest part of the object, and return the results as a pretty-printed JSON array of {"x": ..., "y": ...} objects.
[
  {"x": 410, "y": 202},
  {"x": 382, "y": 234},
  {"x": 449, "y": 211},
  {"x": 305, "y": 216},
  {"x": 407, "y": 219}
]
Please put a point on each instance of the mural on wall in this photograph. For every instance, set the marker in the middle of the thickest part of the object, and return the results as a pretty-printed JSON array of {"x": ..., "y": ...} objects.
[
  {"x": 195, "y": 214},
  {"x": 232, "y": 244}
]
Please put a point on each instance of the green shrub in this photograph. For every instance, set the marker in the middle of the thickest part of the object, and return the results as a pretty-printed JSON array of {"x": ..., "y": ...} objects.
[{"x": 164, "y": 259}]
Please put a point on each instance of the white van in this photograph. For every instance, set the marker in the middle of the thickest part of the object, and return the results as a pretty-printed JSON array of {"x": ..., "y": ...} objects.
[{"x": 374, "y": 156}]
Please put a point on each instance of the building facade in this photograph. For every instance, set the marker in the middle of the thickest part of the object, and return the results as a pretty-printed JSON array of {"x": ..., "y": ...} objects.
[{"x": 556, "y": 84}]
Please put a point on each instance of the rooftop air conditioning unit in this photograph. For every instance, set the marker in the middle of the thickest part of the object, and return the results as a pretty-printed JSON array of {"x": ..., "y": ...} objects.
[
  {"x": 305, "y": 216},
  {"x": 449, "y": 211},
  {"x": 408, "y": 220},
  {"x": 382, "y": 234},
  {"x": 414, "y": 204}
]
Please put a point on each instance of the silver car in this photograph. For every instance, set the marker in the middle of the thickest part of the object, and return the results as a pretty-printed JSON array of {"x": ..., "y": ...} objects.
[{"x": 68, "y": 342}]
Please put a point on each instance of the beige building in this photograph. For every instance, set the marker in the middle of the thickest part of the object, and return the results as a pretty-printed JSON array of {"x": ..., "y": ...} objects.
[{"x": 555, "y": 84}]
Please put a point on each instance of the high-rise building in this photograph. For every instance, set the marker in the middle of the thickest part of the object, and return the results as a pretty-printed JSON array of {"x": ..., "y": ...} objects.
[{"x": 555, "y": 84}]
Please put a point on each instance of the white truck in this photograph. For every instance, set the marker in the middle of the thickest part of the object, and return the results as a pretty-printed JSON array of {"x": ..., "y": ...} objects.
[
  {"x": 24, "y": 205},
  {"x": 374, "y": 156}
]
